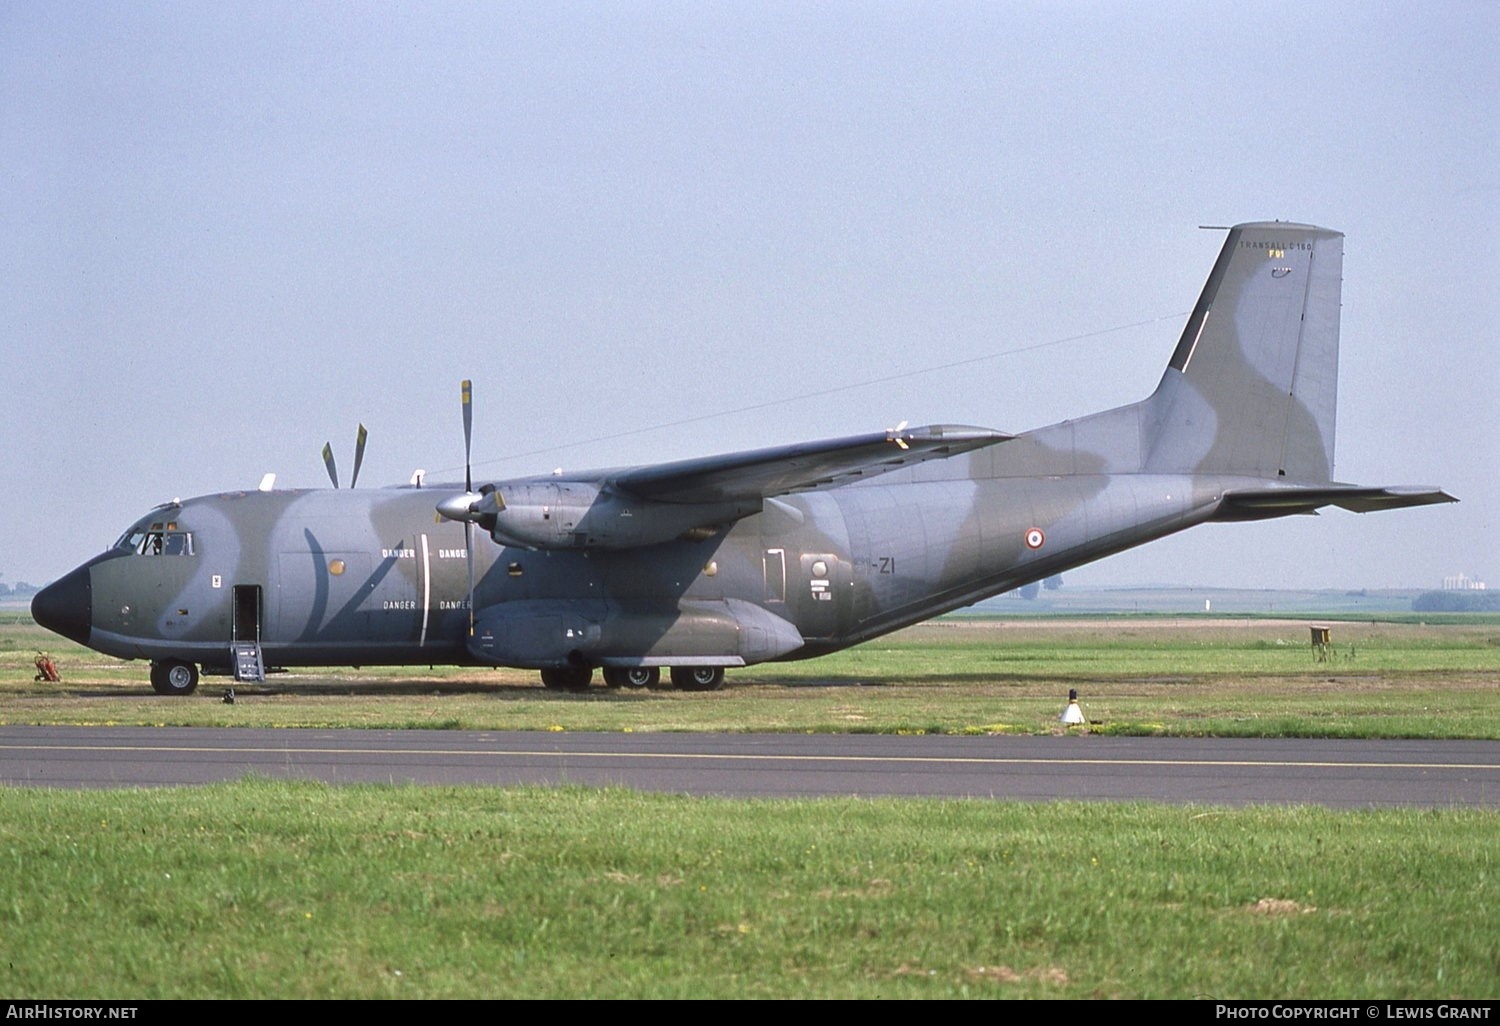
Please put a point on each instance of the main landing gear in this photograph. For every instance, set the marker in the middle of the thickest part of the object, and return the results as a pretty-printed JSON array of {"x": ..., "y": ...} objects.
[
  {"x": 698, "y": 678},
  {"x": 631, "y": 676},
  {"x": 684, "y": 678},
  {"x": 567, "y": 678}
]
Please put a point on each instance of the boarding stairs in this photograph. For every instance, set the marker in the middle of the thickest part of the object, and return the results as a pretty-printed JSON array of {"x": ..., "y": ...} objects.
[{"x": 248, "y": 664}]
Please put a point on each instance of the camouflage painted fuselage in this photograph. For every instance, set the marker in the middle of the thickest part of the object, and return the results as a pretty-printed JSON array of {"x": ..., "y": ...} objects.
[{"x": 349, "y": 577}]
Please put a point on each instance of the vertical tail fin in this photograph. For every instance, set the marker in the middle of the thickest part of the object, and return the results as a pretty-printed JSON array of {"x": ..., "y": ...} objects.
[{"x": 1251, "y": 389}]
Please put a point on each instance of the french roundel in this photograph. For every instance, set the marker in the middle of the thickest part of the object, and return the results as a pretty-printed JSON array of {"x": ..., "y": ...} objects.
[{"x": 1035, "y": 539}]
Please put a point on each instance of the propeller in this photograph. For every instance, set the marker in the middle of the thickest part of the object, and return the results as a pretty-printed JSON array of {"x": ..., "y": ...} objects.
[
  {"x": 359, "y": 458},
  {"x": 466, "y": 391},
  {"x": 465, "y": 507}
]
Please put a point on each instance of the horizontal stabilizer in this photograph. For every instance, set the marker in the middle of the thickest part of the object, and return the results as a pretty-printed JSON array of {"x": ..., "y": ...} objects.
[
  {"x": 1262, "y": 503},
  {"x": 764, "y": 473}
]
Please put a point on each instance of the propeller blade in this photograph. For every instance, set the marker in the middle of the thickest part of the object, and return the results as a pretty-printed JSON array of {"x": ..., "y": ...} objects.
[
  {"x": 467, "y": 389},
  {"x": 333, "y": 471},
  {"x": 359, "y": 453},
  {"x": 463, "y": 507},
  {"x": 490, "y": 502},
  {"x": 469, "y": 558},
  {"x": 467, "y": 392}
]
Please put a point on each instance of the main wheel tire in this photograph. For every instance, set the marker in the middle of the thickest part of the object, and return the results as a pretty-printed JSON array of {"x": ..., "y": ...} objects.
[
  {"x": 567, "y": 678},
  {"x": 698, "y": 678},
  {"x": 174, "y": 677},
  {"x": 632, "y": 676}
]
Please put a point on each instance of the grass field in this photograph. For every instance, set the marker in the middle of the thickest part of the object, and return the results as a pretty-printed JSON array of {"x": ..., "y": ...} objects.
[
  {"x": 293, "y": 890},
  {"x": 276, "y": 890},
  {"x": 1146, "y": 675}
]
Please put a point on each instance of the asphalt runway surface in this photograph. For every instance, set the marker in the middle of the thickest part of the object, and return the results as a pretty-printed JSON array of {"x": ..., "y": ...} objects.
[{"x": 1335, "y": 773}]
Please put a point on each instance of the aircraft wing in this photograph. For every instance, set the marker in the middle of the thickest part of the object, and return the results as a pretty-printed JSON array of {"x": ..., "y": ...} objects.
[
  {"x": 765, "y": 473},
  {"x": 1257, "y": 503}
]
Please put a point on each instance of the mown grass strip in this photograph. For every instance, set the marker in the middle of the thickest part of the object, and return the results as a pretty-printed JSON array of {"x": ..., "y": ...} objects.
[
  {"x": 297, "y": 890},
  {"x": 1184, "y": 677}
]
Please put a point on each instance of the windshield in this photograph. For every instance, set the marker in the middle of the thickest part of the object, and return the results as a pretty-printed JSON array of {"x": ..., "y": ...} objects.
[{"x": 155, "y": 536}]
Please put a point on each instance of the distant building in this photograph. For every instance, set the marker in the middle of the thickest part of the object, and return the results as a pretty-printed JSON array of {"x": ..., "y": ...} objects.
[{"x": 1462, "y": 582}]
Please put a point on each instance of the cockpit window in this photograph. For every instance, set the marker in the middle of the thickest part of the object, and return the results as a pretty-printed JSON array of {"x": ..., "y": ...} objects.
[{"x": 156, "y": 538}]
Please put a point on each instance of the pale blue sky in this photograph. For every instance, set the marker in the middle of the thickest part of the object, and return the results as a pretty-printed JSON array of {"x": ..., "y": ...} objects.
[{"x": 231, "y": 233}]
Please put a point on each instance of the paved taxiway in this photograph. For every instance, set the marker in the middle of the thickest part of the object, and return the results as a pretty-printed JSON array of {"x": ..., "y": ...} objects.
[{"x": 1346, "y": 774}]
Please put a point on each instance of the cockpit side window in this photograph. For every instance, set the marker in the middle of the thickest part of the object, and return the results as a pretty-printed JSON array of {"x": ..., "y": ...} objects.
[{"x": 157, "y": 538}]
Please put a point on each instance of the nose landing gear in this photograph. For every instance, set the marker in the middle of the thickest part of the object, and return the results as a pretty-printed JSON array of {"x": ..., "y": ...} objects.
[{"x": 174, "y": 677}]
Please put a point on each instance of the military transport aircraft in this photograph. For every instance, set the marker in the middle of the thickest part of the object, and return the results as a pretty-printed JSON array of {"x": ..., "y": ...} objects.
[{"x": 781, "y": 553}]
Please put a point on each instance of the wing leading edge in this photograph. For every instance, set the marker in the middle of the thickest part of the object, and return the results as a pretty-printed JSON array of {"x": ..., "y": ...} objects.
[
  {"x": 780, "y": 470},
  {"x": 617, "y": 509}
]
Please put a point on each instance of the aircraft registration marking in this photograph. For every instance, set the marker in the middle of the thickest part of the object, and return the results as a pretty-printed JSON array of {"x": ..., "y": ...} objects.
[{"x": 1274, "y": 248}]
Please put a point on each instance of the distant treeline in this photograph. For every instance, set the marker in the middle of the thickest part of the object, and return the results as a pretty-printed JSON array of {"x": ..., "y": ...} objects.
[{"x": 1457, "y": 602}]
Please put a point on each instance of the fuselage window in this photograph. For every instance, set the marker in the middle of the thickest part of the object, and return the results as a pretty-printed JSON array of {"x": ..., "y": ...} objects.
[{"x": 775, "y": 564}]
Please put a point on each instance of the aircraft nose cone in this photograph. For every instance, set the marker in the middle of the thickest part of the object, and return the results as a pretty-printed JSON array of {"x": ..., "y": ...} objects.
[{"x": 66, "y": 606}]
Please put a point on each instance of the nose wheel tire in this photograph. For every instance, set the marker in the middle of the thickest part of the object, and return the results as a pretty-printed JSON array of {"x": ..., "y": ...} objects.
[
  {"x": 174, "y": 677},
  {"x": 698, "y": 678}
]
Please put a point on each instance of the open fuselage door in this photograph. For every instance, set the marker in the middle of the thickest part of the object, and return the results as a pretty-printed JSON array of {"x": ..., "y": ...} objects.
[{"x": 245, "y": 646}]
